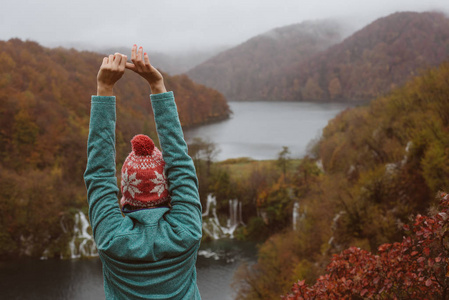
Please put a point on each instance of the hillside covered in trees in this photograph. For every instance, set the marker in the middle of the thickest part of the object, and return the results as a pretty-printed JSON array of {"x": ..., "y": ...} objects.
[
  {"x": 248, "y": 71},
  {"x": 44, "y": 118},
  {"x": 376, "y": 167},
  {"x": 369, "y": 63}
]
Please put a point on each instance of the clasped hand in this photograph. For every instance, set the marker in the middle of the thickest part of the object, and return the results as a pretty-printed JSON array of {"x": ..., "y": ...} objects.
[{"x": 113, "y": 67}]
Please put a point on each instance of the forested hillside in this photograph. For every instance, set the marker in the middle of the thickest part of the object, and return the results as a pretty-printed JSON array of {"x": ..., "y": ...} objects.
[
  {"x": 371, "y": 62},
  {"x": 295, "y": 63},
  {"x": 44, "y": 118},
  {"x": 248, "y": 71},
  {"x": 380, "y": 165}
]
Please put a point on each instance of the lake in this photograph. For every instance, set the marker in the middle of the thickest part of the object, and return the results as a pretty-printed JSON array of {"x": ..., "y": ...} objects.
[
  {"x": 260, "y": 129},
  {"x": 257, "y": 130},
  {"x": 82, "y": 279}
]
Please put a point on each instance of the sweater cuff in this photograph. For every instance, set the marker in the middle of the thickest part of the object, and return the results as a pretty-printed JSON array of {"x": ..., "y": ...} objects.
[
  {"x": 162, "y": 96},
  {"x": 103, "y": 99}
]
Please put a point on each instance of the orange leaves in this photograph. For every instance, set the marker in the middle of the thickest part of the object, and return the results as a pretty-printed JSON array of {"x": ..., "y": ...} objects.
[
  {"x": 415, "y": 268},
  {"x": 357, "y": 149},
  {"x": 44, "y": 117}
]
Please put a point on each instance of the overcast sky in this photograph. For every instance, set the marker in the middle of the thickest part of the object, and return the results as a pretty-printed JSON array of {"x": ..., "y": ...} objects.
[{"x": 177, "y": 25}]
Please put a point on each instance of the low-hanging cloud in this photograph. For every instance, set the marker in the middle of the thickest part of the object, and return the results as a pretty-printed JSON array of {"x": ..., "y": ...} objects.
[{"x": 175, "y": 25}]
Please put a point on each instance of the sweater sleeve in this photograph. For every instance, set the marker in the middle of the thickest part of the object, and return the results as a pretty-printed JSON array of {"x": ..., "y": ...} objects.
[
  {"x": 100, "y": 175},
  {"x": 179, "y": 167}
]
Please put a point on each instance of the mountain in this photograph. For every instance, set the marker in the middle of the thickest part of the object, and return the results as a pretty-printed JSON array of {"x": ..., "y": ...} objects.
[
  {"x": 44, "y": 119},
  {"x": 247, "y": 72},
  {"x": 369, "y": 63},
  {"x": 372, "y": 61}
]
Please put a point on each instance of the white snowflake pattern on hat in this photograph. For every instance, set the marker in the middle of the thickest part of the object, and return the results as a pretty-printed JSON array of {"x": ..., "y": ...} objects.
[
  {"x": 130, "y": 183},
  {"x": 160, "y": 183}
]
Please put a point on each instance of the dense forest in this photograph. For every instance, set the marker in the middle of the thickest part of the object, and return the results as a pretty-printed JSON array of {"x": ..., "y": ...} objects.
[
  {"x": 44, "y": 118},
  {"x": 375, "y": 167},
  {"x": 307, "y": 62},
  {"x": 248, "y": 71},
  {"x": 415, "y": 268}
]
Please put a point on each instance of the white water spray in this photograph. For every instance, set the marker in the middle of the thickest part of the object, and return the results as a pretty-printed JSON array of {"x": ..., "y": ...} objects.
[
  {"x": 82, "y": 243},
  {"x": 211, "y": 224},
  {"x": 295, "y": 214}
]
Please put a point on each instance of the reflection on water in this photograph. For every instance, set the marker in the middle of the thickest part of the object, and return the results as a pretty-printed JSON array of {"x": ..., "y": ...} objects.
[
  {"x": 52, "y": 279},
  {"x": 260, "y": 129},
  {"x": 82, "y": 279},
  {"x": 216, "y": 265}
]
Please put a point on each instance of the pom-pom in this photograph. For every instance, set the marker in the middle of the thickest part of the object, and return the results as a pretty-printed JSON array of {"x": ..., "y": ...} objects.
[{"x": 142, "y": 145}]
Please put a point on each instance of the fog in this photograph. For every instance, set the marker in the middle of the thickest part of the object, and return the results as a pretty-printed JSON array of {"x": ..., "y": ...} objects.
[{"x": 180, "y": 26}]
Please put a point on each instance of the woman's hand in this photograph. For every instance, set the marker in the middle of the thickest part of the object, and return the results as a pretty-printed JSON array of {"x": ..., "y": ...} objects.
[
  {"x": 141, "y": 65},
  {"x": 111, "y": 70}
]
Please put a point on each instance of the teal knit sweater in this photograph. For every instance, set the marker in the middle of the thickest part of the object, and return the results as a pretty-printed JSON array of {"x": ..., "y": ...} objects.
[{"x": 149, "y": 253}]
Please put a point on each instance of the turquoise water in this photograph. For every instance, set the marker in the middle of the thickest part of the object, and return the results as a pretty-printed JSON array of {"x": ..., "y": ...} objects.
[
  {"x": 82, "y": 278},
  {"x": 260, "y": 129}
]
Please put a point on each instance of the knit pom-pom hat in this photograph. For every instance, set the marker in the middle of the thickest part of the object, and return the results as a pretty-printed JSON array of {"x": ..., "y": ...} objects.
[{"x": 143, "y": 180}]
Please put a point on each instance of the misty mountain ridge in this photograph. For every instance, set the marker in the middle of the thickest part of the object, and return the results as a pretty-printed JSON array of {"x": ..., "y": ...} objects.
[
  {"x": 246, "y": 71},
  {"x": 311, "y": 62}
]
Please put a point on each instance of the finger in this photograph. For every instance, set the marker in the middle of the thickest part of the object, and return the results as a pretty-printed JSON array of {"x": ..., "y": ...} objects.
[
  {"x": 123, "y": 62},
  {"x": 138, "y": 62},
  {"x": 133, "y": 52},
  {"x": 105, "y": 61},
  {"x": 117, "y": 59},
  {"x": 146, "y": 59},
  {"x": 130, "y": 66},
  {"x": 139, "y": 54},
  {"x": 110, "y": 59}
]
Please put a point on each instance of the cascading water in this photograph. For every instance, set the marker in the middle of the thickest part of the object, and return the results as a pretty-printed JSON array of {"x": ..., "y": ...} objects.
[
  {"x": 211, "y": 224},
  {"x": 82, "y": 243},
  {"x": 295, "y": 214}
]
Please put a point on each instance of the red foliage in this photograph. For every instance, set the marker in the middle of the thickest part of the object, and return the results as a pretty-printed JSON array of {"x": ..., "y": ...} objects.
[{"x": 417, "y": 268}]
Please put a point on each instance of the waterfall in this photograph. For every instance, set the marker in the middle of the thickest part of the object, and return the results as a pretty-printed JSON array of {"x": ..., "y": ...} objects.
[
  {"x": 211, "y": 200},
  {"x": 232, "y": 222},
  {"x": 82, "y": 243},
  {"x": 211, "y": 224},
  {"x": 233, "y": 211},
  {"x": 295, "y": 214}
]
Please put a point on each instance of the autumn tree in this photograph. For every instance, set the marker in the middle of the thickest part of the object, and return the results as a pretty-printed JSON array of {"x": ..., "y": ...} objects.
[
  {"x": 283, "y": 160},
  {"x": 416, "y": 268},
  {"x": 44, "y": 120}
]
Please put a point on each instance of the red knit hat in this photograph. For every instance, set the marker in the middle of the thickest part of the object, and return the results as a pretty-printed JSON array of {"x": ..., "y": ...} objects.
[{"x": 143, "y": 178}]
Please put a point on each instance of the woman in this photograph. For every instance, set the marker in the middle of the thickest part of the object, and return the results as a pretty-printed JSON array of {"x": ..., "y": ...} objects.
[{"x": 151, "y": 251}]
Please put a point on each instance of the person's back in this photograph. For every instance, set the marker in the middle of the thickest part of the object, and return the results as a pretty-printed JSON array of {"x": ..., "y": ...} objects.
[{"x": 151, "y": 252}]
